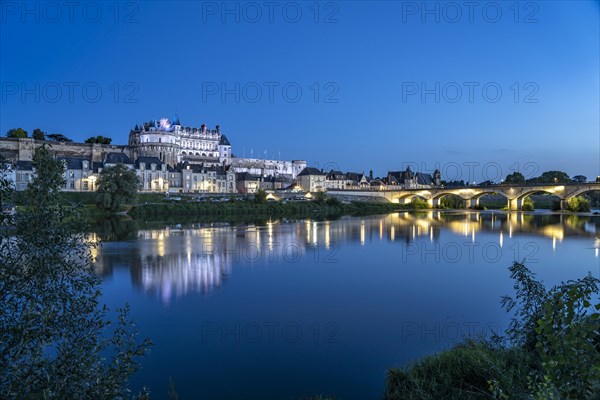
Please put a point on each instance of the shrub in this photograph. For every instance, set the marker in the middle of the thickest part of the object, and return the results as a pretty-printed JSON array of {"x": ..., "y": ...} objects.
[
  {"x": 418, "y": 203},
  {"x": 528, "y": 204},
  {"x": 578, "y": 204}
]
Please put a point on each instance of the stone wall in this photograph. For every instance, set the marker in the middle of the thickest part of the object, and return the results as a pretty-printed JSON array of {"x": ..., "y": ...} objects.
[{"x": 22, "y": 149}]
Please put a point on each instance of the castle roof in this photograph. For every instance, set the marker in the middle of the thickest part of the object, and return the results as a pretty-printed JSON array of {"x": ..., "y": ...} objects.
[
  {"x": 148, "y": 161},
  {"x": 117, "y": 158},
  {"x": 224, "y": 141},
  {"x": 310, "y": 171}
]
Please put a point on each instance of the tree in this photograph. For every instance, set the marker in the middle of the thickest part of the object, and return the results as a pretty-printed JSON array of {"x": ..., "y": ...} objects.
[
  {"x": 553, "y": 177},
  {"x": 515, "y": 177},
  {"x": 260, "y": 196},
  {"x": 54, "y": 337},
  {"x": 578, "y": 204},
  {"x": 528, "y": 204},
  {"x": 117, "y": 186},
  {"x": 38, "y": 134},
  {"x": 580, "y": 179},
  {"x": 16, "y": 133},
  {"x": 321, "y": 197},
  {"x": 98, "y": 140},
  {"x": 57, "y": 137}
]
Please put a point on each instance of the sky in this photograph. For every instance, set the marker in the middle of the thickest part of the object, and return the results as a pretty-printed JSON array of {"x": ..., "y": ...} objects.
[{"x": 478, "y": 90}]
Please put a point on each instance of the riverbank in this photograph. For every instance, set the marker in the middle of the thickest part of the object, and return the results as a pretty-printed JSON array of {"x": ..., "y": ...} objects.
[{"x": 156, "y": 207}]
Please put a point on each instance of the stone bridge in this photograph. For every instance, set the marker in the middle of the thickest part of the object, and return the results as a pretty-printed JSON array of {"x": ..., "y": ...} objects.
[{"x": 515, "y": 194}]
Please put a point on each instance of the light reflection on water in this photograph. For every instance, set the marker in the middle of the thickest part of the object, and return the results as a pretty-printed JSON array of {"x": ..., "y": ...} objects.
[{"x": 381, "y": 272}]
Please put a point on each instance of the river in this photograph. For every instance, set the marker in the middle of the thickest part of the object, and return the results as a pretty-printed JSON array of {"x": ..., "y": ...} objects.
[{"x": 289, "y": 309}]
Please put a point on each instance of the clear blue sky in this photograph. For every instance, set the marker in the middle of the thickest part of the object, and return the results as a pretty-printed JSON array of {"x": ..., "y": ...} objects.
[{"x": 368, "y": 62}]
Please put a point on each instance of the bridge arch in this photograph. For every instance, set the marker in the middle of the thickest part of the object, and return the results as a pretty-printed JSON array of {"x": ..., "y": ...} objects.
[
  {"x": 406, "y": 198},
  {"x": 516, "y": 203},
  {"x": 581, "y": 191}
]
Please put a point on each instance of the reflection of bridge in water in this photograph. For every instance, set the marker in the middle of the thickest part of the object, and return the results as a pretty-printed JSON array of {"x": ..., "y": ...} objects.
[
  {"x": 176, "y": 261},
  {"x": 515, "y": 194}
]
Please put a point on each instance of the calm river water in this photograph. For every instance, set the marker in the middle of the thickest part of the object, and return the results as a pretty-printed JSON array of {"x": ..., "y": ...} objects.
[{"x": 296, "y": 308}]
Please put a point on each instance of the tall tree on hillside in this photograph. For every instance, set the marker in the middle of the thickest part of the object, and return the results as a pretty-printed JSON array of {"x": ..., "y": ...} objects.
[
  {"x": 58, "y": 137},
  {"x": 99, "y": 140},
  {"x": 16, "y": 133},
  {"x": 38, "y": 134}
]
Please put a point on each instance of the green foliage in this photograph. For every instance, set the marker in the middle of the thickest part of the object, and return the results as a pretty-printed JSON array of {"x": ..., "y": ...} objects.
[
  {"x": 54, "y": 338},
  {"x": 528, "y": 305},
  {"x": 16, "y": 133},
  {"x": 528, "y": 204},
  {"x": 452, "y": 201},
  {"x": 577, "y": 204},
  {"x": 515, "y": 177},
  {"x": 260, "y": 197},
  {"x": 99, "y": 140},
  {"x": 7, "y": 186},
  {"x": 57, "y": 137},
  {"x": 561, "y": 326},
  {"x": 553, "y": 350},
  {"x": 568, "y": 343},
  {"x": 117, "y": 186},
  {"x": 38, "y": 134},
  {"x": 580, "y": 178},
  {"x": 474, "y": 370},
  {"x": 551, "y": 177},
  {"x": 418, "y": 204},
  {"x": 321, "y": 197}
]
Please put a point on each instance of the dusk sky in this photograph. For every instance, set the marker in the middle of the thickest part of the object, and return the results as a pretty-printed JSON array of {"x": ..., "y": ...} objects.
[{"x": 489, "y": 89}]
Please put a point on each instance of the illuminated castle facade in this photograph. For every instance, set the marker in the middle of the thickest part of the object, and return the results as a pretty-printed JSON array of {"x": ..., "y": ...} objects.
[{"x": 174, "y": 143}]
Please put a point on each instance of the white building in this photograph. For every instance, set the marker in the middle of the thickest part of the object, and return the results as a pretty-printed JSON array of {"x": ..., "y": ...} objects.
[
  {"x": 173, "y": 143},
  {"x": 312, "y": 180}
]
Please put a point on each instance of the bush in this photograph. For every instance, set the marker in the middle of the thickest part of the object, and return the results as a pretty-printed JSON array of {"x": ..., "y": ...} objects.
[
  {"x": 418, "y": 203},
  {"x": 452, "y": 201},
  {"x": 528, "y": 204},
  {"x": 260, "y": 197},
  {"x": 578, "y": 204}
]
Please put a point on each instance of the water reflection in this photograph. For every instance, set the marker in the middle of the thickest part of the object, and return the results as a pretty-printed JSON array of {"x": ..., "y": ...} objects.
[{"x": 176, "y": 260}]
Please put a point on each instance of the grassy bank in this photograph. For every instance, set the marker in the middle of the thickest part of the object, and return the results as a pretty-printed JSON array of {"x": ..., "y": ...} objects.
[
  {"x": 241, "y": 210},
  {"x": 551, "y": 350}
]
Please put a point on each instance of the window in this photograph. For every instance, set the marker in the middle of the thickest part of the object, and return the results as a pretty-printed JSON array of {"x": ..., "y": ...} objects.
[
  {"x": 71, "y": 174},
  {"x": 85, "y": 185},
  {"x": 72, "y": 184}
]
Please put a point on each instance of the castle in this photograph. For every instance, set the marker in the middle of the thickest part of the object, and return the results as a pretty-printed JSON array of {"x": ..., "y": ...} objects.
[{"x": 167, "y": 156}]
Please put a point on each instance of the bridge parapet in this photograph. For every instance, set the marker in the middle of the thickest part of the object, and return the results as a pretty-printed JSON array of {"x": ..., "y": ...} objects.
[{"x": 515, "y": 194}]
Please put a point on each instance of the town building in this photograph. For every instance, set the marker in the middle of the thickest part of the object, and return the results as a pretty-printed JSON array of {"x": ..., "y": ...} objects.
[
  {"x": 312, "y": 179},
  {"x": 412, "y": 180}
]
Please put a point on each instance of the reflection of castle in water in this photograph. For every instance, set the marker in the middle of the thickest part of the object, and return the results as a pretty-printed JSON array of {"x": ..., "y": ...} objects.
[{"x": 176, "y": 261}]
